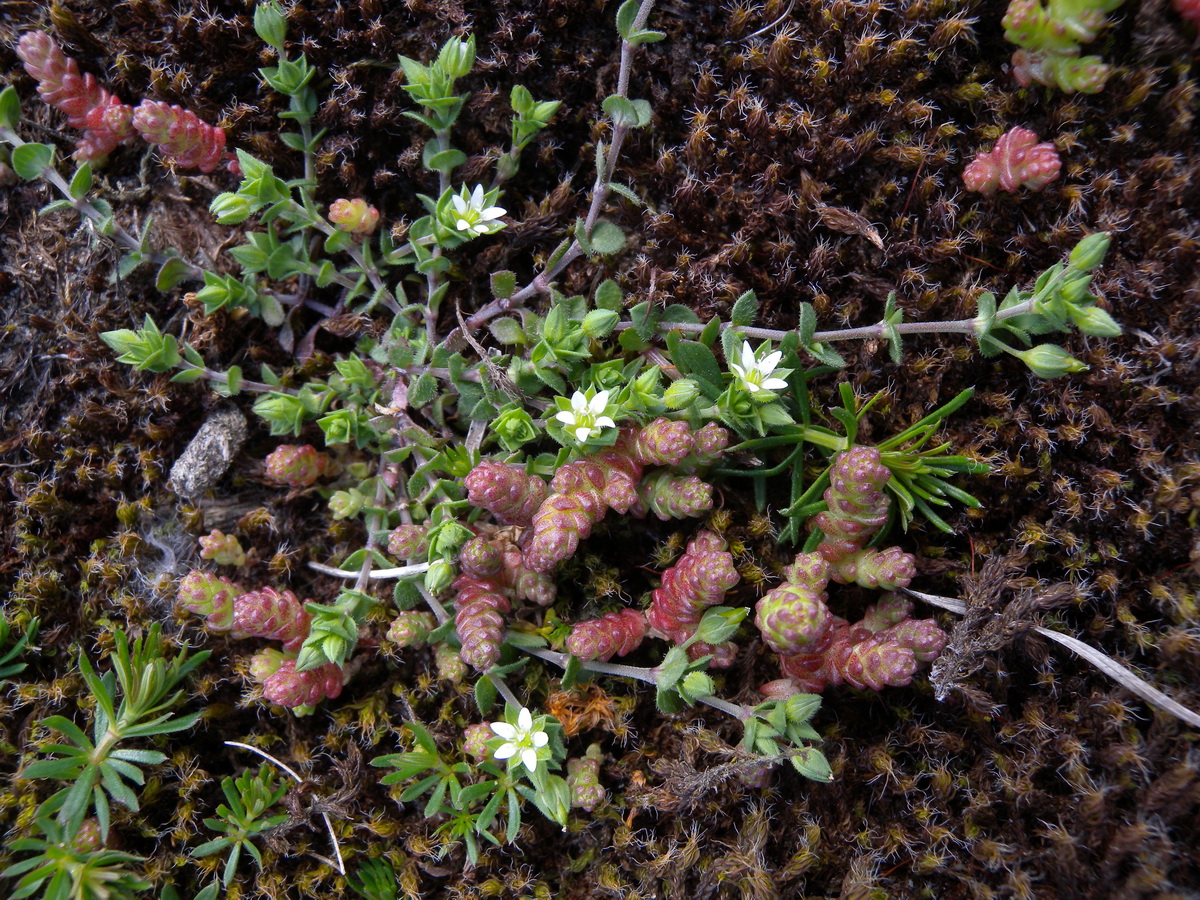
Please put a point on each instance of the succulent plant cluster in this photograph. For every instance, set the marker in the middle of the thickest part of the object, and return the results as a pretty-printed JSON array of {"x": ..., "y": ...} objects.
[
  {"x": 271, "y": 615},
  {"x": 1050, "y": 34},
  {"x": 107, "y": 122},
  {"x": 1017, "y": 161},
  {"x": 817, "y": 648},
  {"x": 473, "y": 463}
]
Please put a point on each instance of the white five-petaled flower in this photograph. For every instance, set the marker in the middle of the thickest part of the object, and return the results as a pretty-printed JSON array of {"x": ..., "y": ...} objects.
[
  {"x": 520, "y": 738},
  {"x": 471, "y": 215},
  {"x": 586, "y": 417},
  {"x": 754, "y": 375}
]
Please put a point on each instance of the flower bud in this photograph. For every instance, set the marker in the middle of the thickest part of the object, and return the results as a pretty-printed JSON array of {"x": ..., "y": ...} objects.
[
  {"x": 681, "y": 393},
  {"x": 230, "y": 209},
  {"x": 354, "y": 216},
  {"x": 270, "y": 24},
  {"x": 457, "y": 57},
  {"x": 438, "y": 576},
  {"x": 1089, "y": 253},
  {"x": 801, "y": 707},
  {"x": 811, "y": 763},
  {"x": 1094, "y": 320},
  {"x": 1050, "y": 361}
]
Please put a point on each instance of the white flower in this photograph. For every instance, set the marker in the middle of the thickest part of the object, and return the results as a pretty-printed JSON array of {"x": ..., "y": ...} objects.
[
  {"x": 520, "y": 738},
  {"x": 754, "y": 375},
  {"x": 472, "y": 216},
  {"x": 586, "y": 417}
]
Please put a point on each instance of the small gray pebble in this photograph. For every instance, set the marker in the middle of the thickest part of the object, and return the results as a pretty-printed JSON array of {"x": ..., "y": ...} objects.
[{"x": 209, "y": 454}]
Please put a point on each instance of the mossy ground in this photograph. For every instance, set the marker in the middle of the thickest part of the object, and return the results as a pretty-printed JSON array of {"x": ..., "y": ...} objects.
[{"x": 767, "y": 156}]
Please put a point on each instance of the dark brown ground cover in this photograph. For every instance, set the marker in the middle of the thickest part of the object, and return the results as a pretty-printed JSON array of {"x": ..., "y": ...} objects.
[{"x": 1038, "y": 778}]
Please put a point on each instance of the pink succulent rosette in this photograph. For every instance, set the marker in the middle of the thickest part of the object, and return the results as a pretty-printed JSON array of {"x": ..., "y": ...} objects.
[{"x": 1017, "y": 161}]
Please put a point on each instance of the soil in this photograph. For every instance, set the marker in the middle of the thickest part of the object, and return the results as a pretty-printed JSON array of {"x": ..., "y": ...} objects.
[{"x": 779, "y": 130}]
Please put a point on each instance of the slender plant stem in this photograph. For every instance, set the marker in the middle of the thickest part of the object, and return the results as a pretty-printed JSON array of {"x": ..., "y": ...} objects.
[
  {"x": 439, "y": 611},
  {"x": 637, "y": 673},
  {"x": 374, "y": 574},
  {"x": 374, "y": 525},
  {"x": 505, "y": 691},
  {"x": 353, "y": 251},
  {"x": 84, "y": 207},
  {"x": 606, "y": 163}
]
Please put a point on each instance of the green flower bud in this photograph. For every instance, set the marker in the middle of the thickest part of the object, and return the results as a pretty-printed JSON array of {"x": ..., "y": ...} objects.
[
  {"x": 456, "y": 57},
  {"x": 801, "y": 707},
  {"x": 646, "y": 385},
  {"x": 738, "y": 404},
  {"x": 1050, "y": 361},
  {"x": 447, "y": 538},
  {"x": 230, "y": 209},
  {"x": 283, "y": 412},
  {"x": 1075, "y": 287},
  {"x": 270, "y": 24},
  {"x": 681, "y": 394},
  {"x": 811, "y": 763},
  {"x": 438, "y": 576},
  {"x": 555, "y": 800},
  {"x": 599, "y": 323},
  {"x": 1089, "y": 253},
  {"x": 1093, "y": 320}
]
